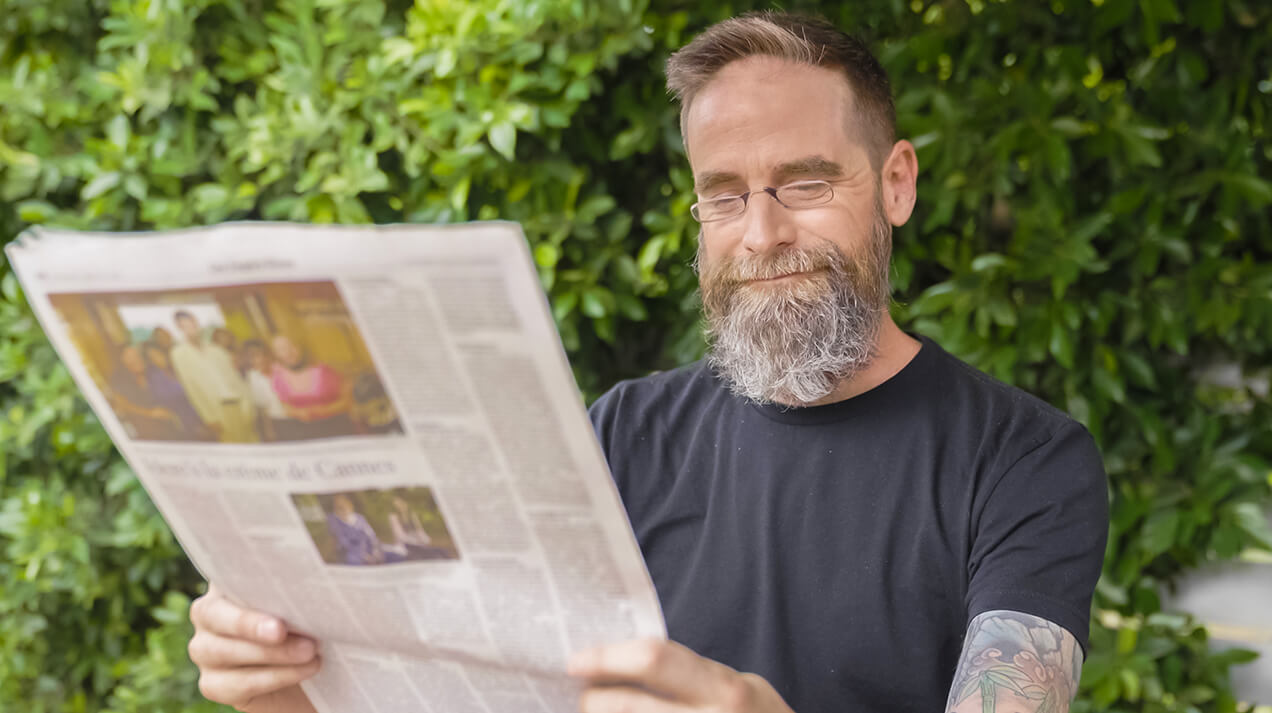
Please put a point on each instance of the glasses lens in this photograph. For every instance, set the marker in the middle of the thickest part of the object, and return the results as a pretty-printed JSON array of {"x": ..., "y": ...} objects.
[
  {"x": 803, "y": 194},
  {"x": 717, "y": 209}
]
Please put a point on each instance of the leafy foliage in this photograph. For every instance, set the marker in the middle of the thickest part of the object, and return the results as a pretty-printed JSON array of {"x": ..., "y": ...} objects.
[{"x": 1093, "y": 226}]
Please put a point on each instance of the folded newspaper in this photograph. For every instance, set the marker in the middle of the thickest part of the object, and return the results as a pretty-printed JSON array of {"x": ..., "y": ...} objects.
[{"x": 371, "y": 432}]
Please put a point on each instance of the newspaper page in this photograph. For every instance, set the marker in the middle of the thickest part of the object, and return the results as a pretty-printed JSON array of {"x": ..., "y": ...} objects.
[{"x": 371, "y": 432}]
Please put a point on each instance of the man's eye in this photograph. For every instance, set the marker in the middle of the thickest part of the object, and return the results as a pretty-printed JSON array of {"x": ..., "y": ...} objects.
[{"x": 809, "y": 188}]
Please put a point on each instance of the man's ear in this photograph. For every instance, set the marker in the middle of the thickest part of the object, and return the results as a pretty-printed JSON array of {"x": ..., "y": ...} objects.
[{"x": 899, "y": 178}]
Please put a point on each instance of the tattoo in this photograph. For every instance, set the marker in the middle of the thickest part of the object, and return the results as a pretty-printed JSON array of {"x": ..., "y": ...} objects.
[{"x": 1015, "y": 662}]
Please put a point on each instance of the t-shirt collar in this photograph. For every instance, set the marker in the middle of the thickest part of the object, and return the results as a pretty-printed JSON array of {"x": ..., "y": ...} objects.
[{"x": 901, "y": 385}]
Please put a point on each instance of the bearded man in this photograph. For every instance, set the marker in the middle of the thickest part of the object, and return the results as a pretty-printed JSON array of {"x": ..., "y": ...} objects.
[
  {"x": 842, "y": 510},
  {"x": 837, "y": 515}
]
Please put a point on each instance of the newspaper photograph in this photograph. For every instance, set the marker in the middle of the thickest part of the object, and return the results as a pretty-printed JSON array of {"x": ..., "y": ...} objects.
[
  {"x": 284, "y": 362},
  {"x": 370, "y": 432}
]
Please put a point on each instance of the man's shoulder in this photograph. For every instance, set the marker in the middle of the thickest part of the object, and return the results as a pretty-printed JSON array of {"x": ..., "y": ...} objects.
[
  {"x": 968, "y": 382},
  {"x": 182, "y": 350},
  {"x": 654, "y": 389},
  {"x": 969, "y": 398},
  {"x": 649, "y": 401},
  {"x": 663, "y": 382}
]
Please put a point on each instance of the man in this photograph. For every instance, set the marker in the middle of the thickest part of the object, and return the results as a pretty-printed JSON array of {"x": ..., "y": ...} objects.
[
  {"x": 838, "y": 516},
  {"x": 212, "y": 382}
]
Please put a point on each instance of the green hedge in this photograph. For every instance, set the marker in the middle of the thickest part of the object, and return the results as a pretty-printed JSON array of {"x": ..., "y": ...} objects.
[{"x": 1093, "y": 225}]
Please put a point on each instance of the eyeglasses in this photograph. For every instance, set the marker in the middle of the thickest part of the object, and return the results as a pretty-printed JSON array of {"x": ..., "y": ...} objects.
[{"x": 800, "y": 194}]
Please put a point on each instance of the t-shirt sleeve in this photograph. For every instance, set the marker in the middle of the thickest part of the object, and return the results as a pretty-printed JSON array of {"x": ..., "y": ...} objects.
[
  {"x": 1039, "y": 539},
  {"x": 602, "y": 414}
]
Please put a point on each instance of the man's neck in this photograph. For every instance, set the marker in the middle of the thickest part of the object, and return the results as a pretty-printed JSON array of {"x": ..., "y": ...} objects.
[{"x": 893, "y": 350}]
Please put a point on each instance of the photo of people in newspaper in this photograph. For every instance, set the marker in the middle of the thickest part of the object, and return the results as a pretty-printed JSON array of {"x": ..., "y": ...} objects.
[
  {"x": 252, "y": 363},
  {"x": 374, "y": 527}
]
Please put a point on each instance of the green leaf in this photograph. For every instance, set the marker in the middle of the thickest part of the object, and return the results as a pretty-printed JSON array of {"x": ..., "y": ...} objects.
[
  {"x": 446, "y": 60},
  {"x": 100, "y": 184},
  {"x": 1158, "y": 534},
  {"x": 1254, "y": 522},
  {"x": 1254, "y": 189},
  {"x": 1140, "y": 150},
  {"x": 1130, "y": 684},
  {"x": 1138, "y": 369},
  {"x": 1069, "y": 126},
  {"x": 1061, "y": 344},
  {"x": 988, "y": 262},
  {"x": 503, "y": 136},
  {"x": 595, "y": 303},
  {"x": 36, "y": 211},
  {"x": 1109, "y": 386},
  {"x": 546, "y": 255}
]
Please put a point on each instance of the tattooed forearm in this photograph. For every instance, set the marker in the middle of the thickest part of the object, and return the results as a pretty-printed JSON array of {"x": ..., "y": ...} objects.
[{"x": 1015, "y": 663}]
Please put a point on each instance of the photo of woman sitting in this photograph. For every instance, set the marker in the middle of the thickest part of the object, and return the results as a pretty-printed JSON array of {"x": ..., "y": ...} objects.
[
  {"x": 376, "y": 526},
  {"x": 411, "y": 541},
  {"x": 355, "y": 536}
]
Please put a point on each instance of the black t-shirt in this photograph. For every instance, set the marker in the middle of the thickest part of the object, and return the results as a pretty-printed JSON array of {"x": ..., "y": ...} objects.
[{"x": 840, "y": 551}]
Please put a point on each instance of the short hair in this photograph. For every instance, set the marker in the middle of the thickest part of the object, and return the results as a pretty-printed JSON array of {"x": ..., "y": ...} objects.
[
  {"x": 252, "y": 344},
  {"x": 182, "y": 314},
  {"x": 802, "y": 39}
]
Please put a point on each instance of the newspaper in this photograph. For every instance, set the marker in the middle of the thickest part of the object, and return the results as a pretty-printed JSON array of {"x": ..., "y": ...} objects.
[{"x": 371, "y": 432}]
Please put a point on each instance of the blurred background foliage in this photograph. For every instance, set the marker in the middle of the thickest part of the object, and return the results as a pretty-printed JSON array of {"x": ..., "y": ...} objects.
[{"x": 1093, "y": 225}]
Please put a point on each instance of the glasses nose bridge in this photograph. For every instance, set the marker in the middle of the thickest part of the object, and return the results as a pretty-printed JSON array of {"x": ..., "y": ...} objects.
[
  {"x": 766, "y": 216},
  {"x": 746, "y": 197}
]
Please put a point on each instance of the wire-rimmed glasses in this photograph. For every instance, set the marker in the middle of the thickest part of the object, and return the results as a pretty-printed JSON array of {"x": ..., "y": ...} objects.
[{"x": 799, "y": 194}]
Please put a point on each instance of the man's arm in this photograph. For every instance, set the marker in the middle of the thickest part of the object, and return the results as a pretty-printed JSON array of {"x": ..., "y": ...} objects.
[
  {"x": 659, "y": 676},
  {"x": 1015, "y": 663}
]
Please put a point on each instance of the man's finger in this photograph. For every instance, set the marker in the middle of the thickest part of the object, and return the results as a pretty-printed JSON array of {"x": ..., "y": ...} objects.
[
  {"x": 238, "y": 686},
  {"x": 209, "y": 650},
  {"x": 219, "y": 615},
  {"x": 662, "y": 666},
  {"x": 625, "y": 699}
]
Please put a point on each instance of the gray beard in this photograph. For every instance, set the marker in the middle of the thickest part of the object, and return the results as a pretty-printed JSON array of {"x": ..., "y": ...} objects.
[{"x": 794, "y": 343}]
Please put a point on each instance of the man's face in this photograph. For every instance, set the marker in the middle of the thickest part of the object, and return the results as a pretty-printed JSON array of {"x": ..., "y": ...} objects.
[
  {"x": 793, "y": 297},
  {"x": 189, "y": 326},
  {"x": 762, "y": 122}
]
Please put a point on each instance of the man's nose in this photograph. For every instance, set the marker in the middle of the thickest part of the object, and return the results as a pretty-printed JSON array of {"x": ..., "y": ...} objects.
[{"x": 768, "y": 224}]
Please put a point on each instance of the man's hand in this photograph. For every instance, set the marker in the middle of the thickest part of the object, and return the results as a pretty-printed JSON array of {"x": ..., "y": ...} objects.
[
  {"x": 248, "y": 659},
  {"x": 656, "y": 676}
]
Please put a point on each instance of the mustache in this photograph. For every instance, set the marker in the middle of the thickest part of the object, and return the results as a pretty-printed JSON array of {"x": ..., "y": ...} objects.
[{"x": 732, "y": 271}]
